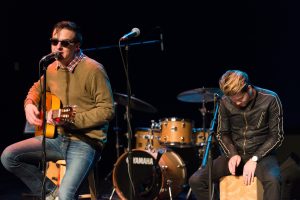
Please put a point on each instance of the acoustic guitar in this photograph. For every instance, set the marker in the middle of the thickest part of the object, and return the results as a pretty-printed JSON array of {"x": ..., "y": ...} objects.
[{"x": 65, "y": 114}]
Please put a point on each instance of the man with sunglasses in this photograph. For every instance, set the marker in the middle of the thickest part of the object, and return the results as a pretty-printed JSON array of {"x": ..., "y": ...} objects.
[
  {"x": 250, "y": 129},
  {"x": 81, "y": 83}
]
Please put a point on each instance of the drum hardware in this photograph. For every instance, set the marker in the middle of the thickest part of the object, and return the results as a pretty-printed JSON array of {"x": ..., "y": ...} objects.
[
  {"x": 174, "y": 129},
  {"x": 155, "y": 125},
  {"x": 203, "y": 111},
  {"x": 182, "y": 139},
  {"x": 169, "y": 184},
  {"x": 201, "y": 152},
  {"x": 112, "y": 194}
]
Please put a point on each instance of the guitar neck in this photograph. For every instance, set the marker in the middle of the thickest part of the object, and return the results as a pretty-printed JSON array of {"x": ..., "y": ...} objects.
[{"x": 56, "y": 113}]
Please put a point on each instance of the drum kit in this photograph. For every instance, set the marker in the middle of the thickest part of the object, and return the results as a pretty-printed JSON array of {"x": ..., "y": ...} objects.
[{"x": 159, "y": 170}]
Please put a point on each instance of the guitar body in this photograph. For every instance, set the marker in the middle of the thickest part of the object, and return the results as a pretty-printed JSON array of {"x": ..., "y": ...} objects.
[{"x": 52, "y": 102}]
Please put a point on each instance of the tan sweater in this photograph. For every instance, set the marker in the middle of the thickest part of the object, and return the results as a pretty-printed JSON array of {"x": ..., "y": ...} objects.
[{"x": 88, "y": 88}]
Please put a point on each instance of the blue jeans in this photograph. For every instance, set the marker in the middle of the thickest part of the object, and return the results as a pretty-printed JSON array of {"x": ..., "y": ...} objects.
[{"x": 22, "y": 159}]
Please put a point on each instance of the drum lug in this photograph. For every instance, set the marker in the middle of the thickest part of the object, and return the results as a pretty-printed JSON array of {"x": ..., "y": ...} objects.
[
  {"x": 174, "y": 129},
  {"x": 165, "y": 138},
  {"x": 164, "y": 167},
  {"x": 183, "y": 124},
  {"x": 182, "y": 139}
]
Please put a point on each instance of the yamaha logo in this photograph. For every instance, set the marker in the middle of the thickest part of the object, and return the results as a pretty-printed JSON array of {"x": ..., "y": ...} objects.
[{"x": 141, "y": 161}]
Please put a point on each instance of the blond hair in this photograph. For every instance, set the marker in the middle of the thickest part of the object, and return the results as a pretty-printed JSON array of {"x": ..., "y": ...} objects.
[{"x": 233, "y": 82}]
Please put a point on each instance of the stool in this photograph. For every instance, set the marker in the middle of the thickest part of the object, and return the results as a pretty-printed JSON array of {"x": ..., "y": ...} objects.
[
  {"x": 233, "y": 188},
  {"x": 57, "y": 170}
]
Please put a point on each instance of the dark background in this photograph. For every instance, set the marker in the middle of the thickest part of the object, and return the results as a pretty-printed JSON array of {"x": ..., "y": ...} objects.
[{"x": 201, "y": 39}]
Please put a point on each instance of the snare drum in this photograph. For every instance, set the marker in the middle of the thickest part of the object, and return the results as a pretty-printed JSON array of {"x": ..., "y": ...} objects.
[
  {"x": 151, "y": 172},
  {"x": 146, "y": 137},
  {"x": 176, "y": 132}
]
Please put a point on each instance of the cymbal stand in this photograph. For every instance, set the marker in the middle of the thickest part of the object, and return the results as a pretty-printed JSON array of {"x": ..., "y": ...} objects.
[
  {"x": 112, "y": 194},
  {"x": 203, "y": 111},
  {"x": 168, "y": 182},
  {"x": 208, "y": 157}
]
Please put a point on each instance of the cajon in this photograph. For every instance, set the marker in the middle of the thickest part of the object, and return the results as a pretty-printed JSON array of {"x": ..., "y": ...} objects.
[
  {"x": 57, "y": 170},
  {"x": 233, "y": 188},
  {"x": 54, "y": 170}
]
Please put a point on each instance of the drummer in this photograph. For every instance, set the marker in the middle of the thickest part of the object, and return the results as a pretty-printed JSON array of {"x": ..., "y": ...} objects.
[{"x": 250, "y": 128}]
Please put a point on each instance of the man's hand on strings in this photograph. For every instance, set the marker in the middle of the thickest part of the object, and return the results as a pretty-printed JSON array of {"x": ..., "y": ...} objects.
[{"x": 32, "y": 115}]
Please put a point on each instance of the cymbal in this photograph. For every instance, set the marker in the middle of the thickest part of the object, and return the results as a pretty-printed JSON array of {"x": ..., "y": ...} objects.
[
  {"x": 199, "y": 95},
  {"x": 135, "y": 103}
]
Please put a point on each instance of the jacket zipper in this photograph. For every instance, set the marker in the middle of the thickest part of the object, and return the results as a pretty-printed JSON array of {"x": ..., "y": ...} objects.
[{"x": 245, "y": 133}]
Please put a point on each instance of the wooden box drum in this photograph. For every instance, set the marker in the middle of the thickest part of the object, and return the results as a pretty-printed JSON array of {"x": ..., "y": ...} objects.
[
  {"x": 154, "y": 173},
  {"x": 176, "y": 132}
]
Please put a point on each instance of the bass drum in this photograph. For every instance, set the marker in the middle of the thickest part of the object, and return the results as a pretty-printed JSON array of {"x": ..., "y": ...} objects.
[{"x": 153, "y": 174}]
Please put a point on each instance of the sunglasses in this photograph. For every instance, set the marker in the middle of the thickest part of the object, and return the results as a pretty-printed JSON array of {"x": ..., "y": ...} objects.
[{"x": 64, "y": 43}]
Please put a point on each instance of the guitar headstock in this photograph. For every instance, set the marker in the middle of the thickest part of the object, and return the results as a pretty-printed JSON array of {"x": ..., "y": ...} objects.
[{"x": 65, "y": 114}]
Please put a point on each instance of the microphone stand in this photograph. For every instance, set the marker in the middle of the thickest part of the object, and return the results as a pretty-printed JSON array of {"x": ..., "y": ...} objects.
[
  {"x": 207, "y": 156},
  {"x": 128, "y": 44},
  {"x": 129, "y": 130},
  {"x": 43, "y": 105}
]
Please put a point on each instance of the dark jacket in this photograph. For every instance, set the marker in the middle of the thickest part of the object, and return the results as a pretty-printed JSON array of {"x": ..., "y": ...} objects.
[{"x": 256, "y": 129}]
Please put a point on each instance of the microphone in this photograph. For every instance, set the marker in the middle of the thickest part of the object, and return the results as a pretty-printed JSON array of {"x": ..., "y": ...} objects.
[
  {"x": 134, "y": 33},
  {"x": 51, "y": 56},
  {"x": 161, "y": 37},
  {"x": 161, "y": 42}
]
